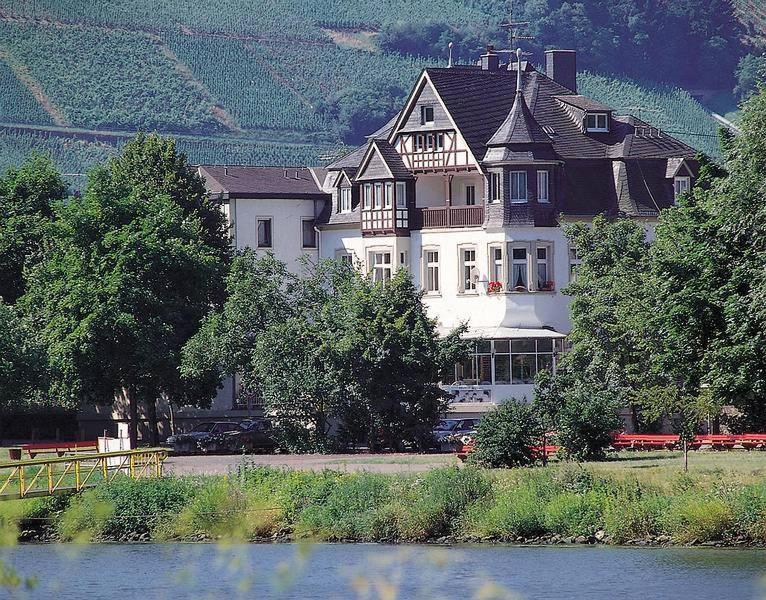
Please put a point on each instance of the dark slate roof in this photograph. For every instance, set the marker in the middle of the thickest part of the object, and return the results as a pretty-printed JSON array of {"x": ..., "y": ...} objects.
[
  {"x": 393, "y": 160},
  {"x": 588, "y": 188},
  {"x": 519, "y": 127},
  {"x": 352, "y": 159},
  {"x": 261, "y": 182},
  {"x": 583, "y": 103}
]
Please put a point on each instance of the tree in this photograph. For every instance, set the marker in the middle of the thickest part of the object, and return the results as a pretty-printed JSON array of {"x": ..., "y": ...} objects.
[
  {"x": 506, "y": 436},
  {"x": 360, "y": 111},
  {"x": 27, "y": 199},
  {"x": 131, "y": 270},
  {"x": 751, "y": 71}
]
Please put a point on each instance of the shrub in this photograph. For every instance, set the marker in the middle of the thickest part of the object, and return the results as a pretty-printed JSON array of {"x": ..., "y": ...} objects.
[
  {"x": 85, "y": 517},
  {"x": 585, "y": 423},
  {"x": 633, "y": 514},
  {"x": 505, "y": 436},
  {"x": 574, "y": 514},
  {"x": 748, "y": 507},
  {"x": 693, "y": 518},
  {"x": 511, "y": 513}
]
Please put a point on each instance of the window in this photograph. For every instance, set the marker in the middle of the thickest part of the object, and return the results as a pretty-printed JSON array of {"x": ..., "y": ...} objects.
[
  {"x": 470, "y": 195},
  {"x": 680, "y": 186},
  {"x": 505, "y": 362},
  {"x": 309, "y": 233},
  {"x": 403, "y": 258},
  {"x": 429, "y": 143},
  {"x": 419, "y": 143},
  {"x": 542, "y": 186},
  {"x": 439, "y": 142},
  {"x": 426, "y": 115},
  {"x": 367, "y": 195},
  {"x": 378, "y": 195},
  {"x": 263, "y": 232},
  {"x": 496, "y": 264},
  {"x": 574, "y": 263},
  {"x": 388, "y": 197},
  {"x": 345, "y": 200},
  {"x": 518, "y": 281},
  {"x": 431, "y": 274},
  {"x": 470, "y": 275},
  {"x": 544, "y": 282},
  {"x": 401, "y": 194},
  {"x": 597, "y": 122},
  {"x": 381, "y": 266},
  {"x": 344, "y": 257},
  {"x": 494, "y": 187},
  {"x": 518, "y": 186}
]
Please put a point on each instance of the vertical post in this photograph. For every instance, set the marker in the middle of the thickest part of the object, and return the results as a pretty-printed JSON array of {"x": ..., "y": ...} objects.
[
  {"x": 449, "y": 199},
  {"x": 50, "y": 477},
  {"x": 132, "y": 466},
  {"x": 159, "y": 464},
  {"x": 104, "y": 468},
  {"x": 77, "y": 474},
  {"x": 21, "y": 481}
]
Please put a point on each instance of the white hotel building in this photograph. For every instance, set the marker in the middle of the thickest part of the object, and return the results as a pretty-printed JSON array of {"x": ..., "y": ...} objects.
[{"x": 466, "y": 187}]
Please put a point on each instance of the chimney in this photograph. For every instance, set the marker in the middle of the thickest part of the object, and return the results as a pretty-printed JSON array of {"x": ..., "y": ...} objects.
[
  {"x": 561, "y": 66},
  {"x": 490, "y": 61}
]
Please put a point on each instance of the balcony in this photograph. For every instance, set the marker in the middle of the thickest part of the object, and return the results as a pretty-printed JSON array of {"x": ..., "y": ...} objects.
[{"x": 451, "y": 216}]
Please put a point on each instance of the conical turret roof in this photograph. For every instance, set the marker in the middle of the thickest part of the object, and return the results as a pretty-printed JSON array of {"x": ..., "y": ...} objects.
[{"x": 519, "y": 126}]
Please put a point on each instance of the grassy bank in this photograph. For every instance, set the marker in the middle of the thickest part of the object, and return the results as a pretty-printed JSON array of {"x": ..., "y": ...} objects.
[{"x": 602, "y": 503}]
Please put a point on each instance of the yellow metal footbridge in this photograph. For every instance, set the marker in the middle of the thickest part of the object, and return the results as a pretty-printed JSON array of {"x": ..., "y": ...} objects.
[{"x": 74, "y": 473}]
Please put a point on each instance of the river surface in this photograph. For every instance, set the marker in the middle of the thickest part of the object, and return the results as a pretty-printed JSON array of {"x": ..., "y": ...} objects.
[{"x": 348, "y": 571}]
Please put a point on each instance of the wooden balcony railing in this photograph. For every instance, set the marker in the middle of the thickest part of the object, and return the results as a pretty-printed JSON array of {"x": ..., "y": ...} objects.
[{"x": 452, "y": 216}]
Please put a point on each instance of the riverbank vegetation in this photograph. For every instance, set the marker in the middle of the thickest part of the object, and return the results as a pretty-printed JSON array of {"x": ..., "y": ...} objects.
[{"x": 563, "y": 503}]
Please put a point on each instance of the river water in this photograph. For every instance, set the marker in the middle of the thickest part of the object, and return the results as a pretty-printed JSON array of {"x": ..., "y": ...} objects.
[{"x": 348, "y": 571}]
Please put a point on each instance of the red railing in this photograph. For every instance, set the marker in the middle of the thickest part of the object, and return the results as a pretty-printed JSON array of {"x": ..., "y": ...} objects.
[{"x": 452, "y": 216}]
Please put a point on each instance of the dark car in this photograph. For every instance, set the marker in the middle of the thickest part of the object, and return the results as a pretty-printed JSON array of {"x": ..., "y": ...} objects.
[
  {"x": 254, "y": 435},
  {"x": 450, "y": 431},
  {"x": 204, "y": 437}
]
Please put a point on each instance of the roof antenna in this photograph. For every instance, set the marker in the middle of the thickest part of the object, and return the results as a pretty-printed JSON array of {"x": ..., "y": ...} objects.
[
  {"x": 518, "y": 70},
  {"x": 449, "y": 62}
]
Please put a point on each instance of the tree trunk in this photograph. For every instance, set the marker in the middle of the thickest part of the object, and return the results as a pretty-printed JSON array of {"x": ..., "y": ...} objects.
[
  {"x": 133, "y": 417},
  {"x": 151, "y": 413}
]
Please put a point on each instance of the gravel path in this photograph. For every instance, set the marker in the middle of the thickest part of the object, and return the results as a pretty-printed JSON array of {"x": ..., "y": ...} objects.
[{"x": 378, "y": 463}]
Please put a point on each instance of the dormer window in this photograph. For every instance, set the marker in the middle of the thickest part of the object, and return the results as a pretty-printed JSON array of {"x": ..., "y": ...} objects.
[
  {"x": 426, "y": 115},
  {"x": 345, "y": 199},
  {"x": 597, "y": 122},
  {"x": 681, "y": 185}
]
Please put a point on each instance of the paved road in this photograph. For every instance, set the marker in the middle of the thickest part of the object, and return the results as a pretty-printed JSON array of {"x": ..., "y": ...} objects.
[{"x": 378, "y": 463}]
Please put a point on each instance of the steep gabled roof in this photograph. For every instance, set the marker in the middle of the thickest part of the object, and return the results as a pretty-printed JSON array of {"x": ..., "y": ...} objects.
[{"x": 389, "y": 157}]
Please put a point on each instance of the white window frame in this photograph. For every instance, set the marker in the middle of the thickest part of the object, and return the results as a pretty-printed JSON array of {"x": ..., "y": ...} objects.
[
  {"x": 424, "y": 120},
  {"x": 467, "y": 283},
  {"x": 377, "y": 196},
  {"x": 305, "y": 220},
  {"x": 574, "y": 262},
  {"x": 401, "y": 194},
  {"x": 388, "y": 194},
  {"x": 270, "y": 221},
  {"x": 345, "y": 199},
  {"x": 681, "y": 185},
  {"x": 512, "y": 261},
  {"x": 496, "y": 265},
  {"x": 367, "y": 196},
  {"x": 495, "y": 186},
  {"x": 381, "y": 271},
  {"x": 547, "y": 247},
  {"x": 470, "y": 194},
  {"x": 344, "y": 255},
  {"x": 520, "y": 176},
  {"x": 431, "y": 271},
  {"x": 601, "y": 121},
  {"x": 543, "y": 187}
]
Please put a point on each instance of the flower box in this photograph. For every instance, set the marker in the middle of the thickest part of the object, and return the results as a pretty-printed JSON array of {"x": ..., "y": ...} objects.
[{"x": 494, "y": 287}]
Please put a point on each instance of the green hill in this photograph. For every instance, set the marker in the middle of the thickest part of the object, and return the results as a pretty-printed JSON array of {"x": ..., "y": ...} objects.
[{"x": 234, "y": 82}]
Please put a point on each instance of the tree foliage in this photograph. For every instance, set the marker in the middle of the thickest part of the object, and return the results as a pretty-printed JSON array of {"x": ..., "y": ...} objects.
[{"x": 505, "y": 437}]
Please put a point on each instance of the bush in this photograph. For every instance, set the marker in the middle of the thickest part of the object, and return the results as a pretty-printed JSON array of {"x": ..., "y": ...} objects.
[
  {"x": 505, "y": 436},
  {"x": 749, "y": 511},
  {"x": 574, "y": 514},
  {"x": 695, "y": 518},
  {"x": 85, "y": 518},
  {"x": 585, "y": 423},
  {"x": 633, "y": 514}
]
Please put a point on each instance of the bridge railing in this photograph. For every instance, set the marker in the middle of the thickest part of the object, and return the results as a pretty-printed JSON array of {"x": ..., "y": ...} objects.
[{"x": 48, "y": 476}]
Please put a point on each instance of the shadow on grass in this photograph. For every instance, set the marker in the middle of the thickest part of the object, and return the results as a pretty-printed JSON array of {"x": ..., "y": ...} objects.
[{"x": 643, "y": 457}]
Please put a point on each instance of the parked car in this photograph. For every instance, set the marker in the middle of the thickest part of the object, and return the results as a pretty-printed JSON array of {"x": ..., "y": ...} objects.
[
  {"x": 449, "y": 432},
  {"x": 253, "y": 435},
  {"x": 203, "y": 437}
]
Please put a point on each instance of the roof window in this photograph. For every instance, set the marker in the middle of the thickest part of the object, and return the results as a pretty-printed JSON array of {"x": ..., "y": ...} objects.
[{"x": 597, "y": 122}]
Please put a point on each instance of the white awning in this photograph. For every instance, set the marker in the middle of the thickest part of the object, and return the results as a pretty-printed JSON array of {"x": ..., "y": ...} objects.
[{"x": 494, "y": 333}]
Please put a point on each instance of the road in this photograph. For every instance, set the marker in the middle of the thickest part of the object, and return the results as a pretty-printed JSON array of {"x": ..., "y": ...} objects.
[{"x": 377, "y": 463}]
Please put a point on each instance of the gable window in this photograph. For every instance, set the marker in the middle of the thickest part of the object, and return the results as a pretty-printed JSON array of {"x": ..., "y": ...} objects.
[
  {"x": 426, "y": 115},
  {"x": 263, "y": 233},
  {"x": 519, "y": 279},
  {"x": 518, "y": 187},
  {"x": 574, "y": 263},
  {"x": 439, "y": 142},
  {"x": 419, "y": 142},
  {"x": 496, "y": 264},
  {"x": 345, "y": 199},
  {"x": 681, "y": 185},
  {"x": 469, "y": 273},
  {"x": 378, "y": 194},
  {"x": 381, "y": 266},
  {"x": 470, "y": 195},
  {"x": 597, "y": 122},
  {"x": 494, "y": 187},
  {"x": 431, "y": 268},
  {"x": 401, "y": 194},
  {"x": 542, "y": 186},
  {"x": 544, "y": 282},
  {"x": 388, "y": 195},
  {"x": 367, "y": 195},
  {"x": 309, "y": 233}
]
